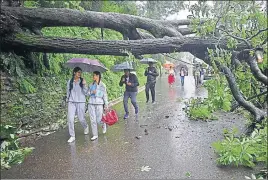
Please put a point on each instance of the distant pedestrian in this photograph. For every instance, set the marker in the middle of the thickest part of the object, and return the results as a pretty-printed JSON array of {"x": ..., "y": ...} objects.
[
  {"x": 76, "y": 98},
  {"x": 151, "y": 73},
  {"x": 171, "y": 76},
  {"x": 98, "y": 102},
  {"x": 202, "y": 73},
  {"x": 183, "y": 73},
  {"x": 197, "y": 75},
  {"x": 132, "y": 83}
]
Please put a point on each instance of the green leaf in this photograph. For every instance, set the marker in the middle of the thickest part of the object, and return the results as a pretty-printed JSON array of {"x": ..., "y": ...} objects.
[
  {"x": 12, "y": 136},
  {"x": 188, "y": 174}
]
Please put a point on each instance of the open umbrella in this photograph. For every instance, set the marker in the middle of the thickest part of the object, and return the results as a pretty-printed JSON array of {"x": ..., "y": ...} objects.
[
  {"x": 178, "y": 67},
  {"x": 168, "y": 64},
  {"x": 147, "y": 61},
  {"x": 87, "y": 65},
  {"x": 122, "y": 66}
]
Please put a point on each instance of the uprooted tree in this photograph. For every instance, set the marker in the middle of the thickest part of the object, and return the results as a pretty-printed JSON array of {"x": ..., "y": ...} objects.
[{"x": 20, "y": 31}]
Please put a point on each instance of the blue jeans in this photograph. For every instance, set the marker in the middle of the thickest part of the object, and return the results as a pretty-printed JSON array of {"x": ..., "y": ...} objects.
[
  {"x": 182, "y": 80},
  {"x": 132, "y": 96}
]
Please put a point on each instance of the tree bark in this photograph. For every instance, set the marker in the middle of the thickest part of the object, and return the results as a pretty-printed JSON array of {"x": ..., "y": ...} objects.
[
  {"x": 236, "y": 105},
  {"x": 37, "y": 18},
  {"x": 256, "y": 70},
  {"x": 124, "y": 23},
  {"x": 244, "y": 55},
  {"x": 196, "y": 46},
  {"x": 258, "y": 114}
]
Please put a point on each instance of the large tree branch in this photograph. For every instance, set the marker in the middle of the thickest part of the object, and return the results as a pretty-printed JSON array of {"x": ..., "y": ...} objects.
[
  {"x": 251, "y": 60},
  {"x": 52, "y": 17},
  {"x": 236, "y": 37},
  {"x": 256, "y": 70},
  {"x": 236, "y": 105},
  {"x": 178, "y": 23},
  {"x": 258, "y": 114},
  {"x": 260, "y": 31},
  {"x": 234, "y": 60},
  {"x": 196, "y": 46}
]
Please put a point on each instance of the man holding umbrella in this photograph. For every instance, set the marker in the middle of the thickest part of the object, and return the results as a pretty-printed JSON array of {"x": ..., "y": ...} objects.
[
  {"x": 151, "y": 73},
  {"x": 132, "y": 83}
]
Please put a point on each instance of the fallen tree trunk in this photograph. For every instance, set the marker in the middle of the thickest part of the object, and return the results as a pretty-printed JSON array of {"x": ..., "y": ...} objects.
[
  {"x": 196, "y": 46},
  {"x": 124, "y": 23}
]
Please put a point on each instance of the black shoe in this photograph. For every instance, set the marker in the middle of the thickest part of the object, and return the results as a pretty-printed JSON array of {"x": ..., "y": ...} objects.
[{"x": 147, "y": 100}]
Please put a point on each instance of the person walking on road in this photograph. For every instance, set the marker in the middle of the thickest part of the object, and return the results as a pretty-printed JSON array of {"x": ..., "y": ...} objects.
[
  {"x": 183, "y": 73},
  {"x": 202, "y": 73},
  {"x": 76, "y": 98},
  {"x": 132, "y": 83},
  {"x": 171, "y": 76},
  {"x": 197, "y": 75},
  {"x": 97, "y": 103},
  {"x": 151, "y": 73}
]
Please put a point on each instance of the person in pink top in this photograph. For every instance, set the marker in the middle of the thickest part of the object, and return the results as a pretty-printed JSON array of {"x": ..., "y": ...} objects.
[{"x": 171, "y": 76}]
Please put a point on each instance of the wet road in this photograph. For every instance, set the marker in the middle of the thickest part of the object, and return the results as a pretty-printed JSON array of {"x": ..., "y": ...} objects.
[{"x": 173, "y": 147}]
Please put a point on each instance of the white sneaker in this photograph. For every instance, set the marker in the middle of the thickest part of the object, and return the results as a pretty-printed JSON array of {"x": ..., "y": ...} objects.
[
  {"x": 94, "y": 138},
  {"x": 71, "y": 139},
  {"x": 104, "y": 128},
  {"x": 86, "y": 131}
]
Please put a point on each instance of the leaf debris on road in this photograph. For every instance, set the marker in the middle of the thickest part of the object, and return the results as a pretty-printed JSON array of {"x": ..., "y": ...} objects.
[{"x": 145, "y": 168}]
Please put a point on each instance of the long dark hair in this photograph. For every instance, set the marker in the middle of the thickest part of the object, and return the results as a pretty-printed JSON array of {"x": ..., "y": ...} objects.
[
  {"x": 98, "y": 74},
  {"x": 75, "y": 70}
]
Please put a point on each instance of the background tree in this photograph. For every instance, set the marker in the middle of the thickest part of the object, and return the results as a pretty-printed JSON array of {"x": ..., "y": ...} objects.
[{"x": 238, "y": 22}]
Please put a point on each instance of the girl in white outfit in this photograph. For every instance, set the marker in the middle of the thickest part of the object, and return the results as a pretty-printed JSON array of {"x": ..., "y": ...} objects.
[
  {"x": 76, "y": 98},
  {"x": 97, "y": 103}
]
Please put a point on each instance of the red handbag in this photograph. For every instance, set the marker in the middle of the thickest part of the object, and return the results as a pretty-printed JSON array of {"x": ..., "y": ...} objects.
[{"x": 110, "y": 117}]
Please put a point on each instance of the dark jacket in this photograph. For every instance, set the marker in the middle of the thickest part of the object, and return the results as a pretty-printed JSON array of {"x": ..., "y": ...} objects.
[
  {"x": 151, "y": 77},
  {"x": 133, "y": 80}
]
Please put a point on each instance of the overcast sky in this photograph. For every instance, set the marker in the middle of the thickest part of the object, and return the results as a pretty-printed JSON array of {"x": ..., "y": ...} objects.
[{"x": 182, "y": 14}]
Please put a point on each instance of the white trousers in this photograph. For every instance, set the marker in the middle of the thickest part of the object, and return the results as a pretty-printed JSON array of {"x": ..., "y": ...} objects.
[
  {"x": 95, "y": 113},
  {"x": 74, "y": 108}
]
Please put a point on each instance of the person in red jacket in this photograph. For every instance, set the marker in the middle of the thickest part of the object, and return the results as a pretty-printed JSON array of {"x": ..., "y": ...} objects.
[{"x": 171, "y": 76}]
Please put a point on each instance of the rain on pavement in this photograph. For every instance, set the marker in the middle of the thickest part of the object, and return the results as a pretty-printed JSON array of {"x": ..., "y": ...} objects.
[{"x": 173, "y": 148}]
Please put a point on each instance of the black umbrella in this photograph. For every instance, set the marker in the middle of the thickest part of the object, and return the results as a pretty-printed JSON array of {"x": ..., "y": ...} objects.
[
  {"x": 178, "y": 67},
  {"x": 122, "y": 66}
]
